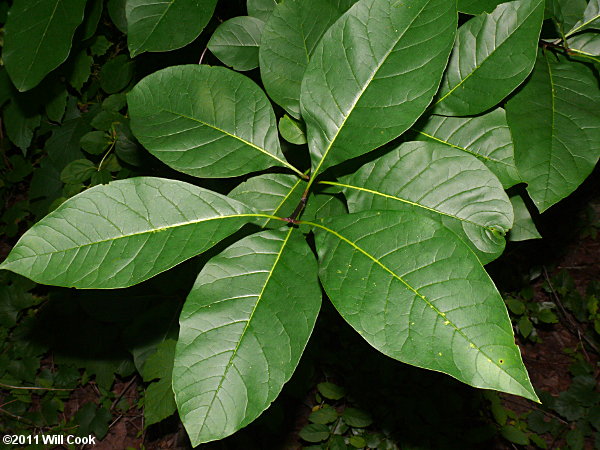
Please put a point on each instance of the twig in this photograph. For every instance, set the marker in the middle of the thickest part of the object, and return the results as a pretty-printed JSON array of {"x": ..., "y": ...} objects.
[
  {"x": 17, "y": 417},
  {"x": 537, "y": 408},
  {"x": 122, "y": 393},
  {"x": 33, "y": 388},
  {"x": 574, "y": 327},
  {"x": 202, "y": 55}
]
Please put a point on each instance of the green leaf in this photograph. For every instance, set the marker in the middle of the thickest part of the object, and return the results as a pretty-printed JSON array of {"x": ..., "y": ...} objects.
[
  {"x": 487, "y": 137},
  {"x": 38, "y": 38},
  {"x": 79, "y": 69},
  {"x": 151, "y": 25},
  {"x": 566, "y": 12},
  {"x": 275, "y": 194},
  {"x": 118, "y": 15},
  {"x": 243, "y": 329},
  {"x": 357, "y": 97},
  {"x": 57, "y": 103},
  {"x": 205, "y": 121},
  {"x": 477, "y": 6},
  {"x": 523, "y": 227},
  {"x": 516, "y": 306},
  {"x": 356, "y": 418},
  {"x": 78, "y": 171},
  {"x": 159, "y": 400},
  {"x": 235, "y": 42},
  {"x": 116, "y": 74},
  {"x": 331, "y": 391},
  {"x": 95, "y": 142},
  {"x": 314, "y": 432},
  {"x": 514, "y": 435},
  {"x": 591, "y": 18},
  {"x": 555, "y": 124},
  {"x": 12, "y": 301},
  {"x": 357, "y": 442},
  {"x": 292, "y": 130},
  {"x": 493, "y": 54},
  {"x": 323, "y": 415},
  {"x": 20, "y": 125},
  {"x": 100, "y": 45},
  {"x": 289, "y": 39},
  {"x": 160, "y": 363},
  {"x": 261, "y": 9},
  {"x": 586, "y": 43},
  {"x": 446, "y": 184},
  {"x": 122, "y": 233},
  {"x": 417, "y": 294},
  {"x": 93, "y": 11},
  {"x": 525, "y": 326}
]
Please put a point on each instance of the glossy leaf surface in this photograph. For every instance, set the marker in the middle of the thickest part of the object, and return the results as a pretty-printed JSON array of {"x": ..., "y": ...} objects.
[
  {"x": 235, "y": 42},
  {"x": 205, "y": 121},
  {"x": 243, "y": 329},
  {"x": 591, "y": 18},
  {"x": 160, "y": 26},
  {"x": 274, "y": 194},
  {"x": 477, "y": 6},
  {"x": 38, "y": 38},
  {"x": 492, "y": 55},
  {"x": 418, "y": 294},
  {"x": 555, "y": 124},
  {"x": 373, "y": 74},
  {"x": 290, "y": 37},
  {"x": 586, "y": 43},
  {"x": 443, "y": 183},
  {"x": 566, "y": 12},
  {"x": 122, "y": 233},
  {"x": 487, "y": 137}
]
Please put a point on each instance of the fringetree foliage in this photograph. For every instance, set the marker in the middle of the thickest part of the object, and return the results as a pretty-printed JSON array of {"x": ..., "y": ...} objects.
[{"x": 416, "y": 117}]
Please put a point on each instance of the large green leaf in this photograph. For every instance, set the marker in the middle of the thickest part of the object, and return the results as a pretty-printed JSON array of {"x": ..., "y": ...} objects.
[
  {"x": 418, "y": 294},
  {"x": 566, "y": 12},
  {"x": 289, "y": 39},
  {"x": 243, "y": 329},
  {"x": 477, "y": 6},
  {"x": 591, "y": 18},
  {"x": 205, "y": 121},
  {"x": 37, "y": 38},
  {"x": 373, "y": 74},
  {"x": 555, "y": 124},
  {"x": 160, "y": 26},
  {"x": 275, "y": 194},
  {"x": 261, "y": 9},
  {"x": 586, "y": 44},
  {"x": 235, "y": 42},
  {"x": 487, "y": 137},
  {"x": 444, "y": 183},
  {"x": 492, "y": 55},
  {"x": 119, "y": 234}
]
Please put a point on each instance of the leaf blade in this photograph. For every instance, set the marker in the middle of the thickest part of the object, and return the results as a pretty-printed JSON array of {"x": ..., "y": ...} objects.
[
  {"x": 121, "y": 233},
  {"x": 239, "y": 342}
]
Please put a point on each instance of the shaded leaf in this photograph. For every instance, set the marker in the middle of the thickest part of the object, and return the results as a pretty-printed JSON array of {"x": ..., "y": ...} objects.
[
  {"x": 493, "y": 54},
  {"x": 79, "y": 69},
  {"x": 20, "y": 125},
  {"x": 331, "y": 391},
  {"x": 487, "y": 137},
  {"x": 243, "y": 329},
  {"x": 590, "y": 19},
  {"x": 116, "y": 74},
  {"x": 95, "y": 142},
  {"x": 446, "y": 184},
  {"x": 118, "y": 15},
  {"x": 151, "y": 24},
  {"x": 292, "y": 130},
  {"x": 314, "y": 432},
  {"x": 523, "y": 227},
  {"x": 78, "y": 171},
  {"x": 555, "y": 124},
  {"x": 418, "y": 294},
  {"x": 98, "y": 240},
  {"x": 37, "y": 38},
  {"x": 566, "y": 12},
  {"x": 358, "y": 97},
  {"x": 356, "y": 418},
  {"x": 586, "y": 43},
  {"x": 205, "y": 121},
  {"x": 323, "y": 415},
  {"x": 235, "y": 42}
]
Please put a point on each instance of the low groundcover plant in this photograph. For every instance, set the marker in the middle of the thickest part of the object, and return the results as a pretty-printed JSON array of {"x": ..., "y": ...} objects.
[{"x": 395, "y": 234}]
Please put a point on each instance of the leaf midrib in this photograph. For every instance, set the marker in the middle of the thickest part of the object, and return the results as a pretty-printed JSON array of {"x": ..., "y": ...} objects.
[
  {"x": 417, "y": 293},
  {"x": 155, "y": 25},
  {"x": 403, "y": 200},
  {"x": 243, "y": 334}
]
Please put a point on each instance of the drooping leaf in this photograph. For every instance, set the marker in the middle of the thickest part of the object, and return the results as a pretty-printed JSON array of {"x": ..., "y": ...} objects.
[
  {"x": 205, "y": 121},
  {"x": 261, "y": 9},
  {"x": 93, "y": 12},
  {"x": 493, "y": 54},
  {"x": 165, "y": 25},
  {"x": 591, "y": 18},
  {"x": 275, "y": 194},
  {"x": 555, "y": 123},
  {"x": 243, "y": 329},
  {"x": 477, "y": 6},
  {"x": 487, "y": 137},
  {"x": 122, "y": 233},
  {"x": 235, "y": 42},
  {"x": 289, "y": 39},
  {"x": 444, "y": 183},
  {"x": 418, "y": 294},
  {"x": 292, "y": 130},
  {"x": 37, "y": 38},
  {"x": 523, "y": 227},
  {"x": 373, "y": 74}
]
